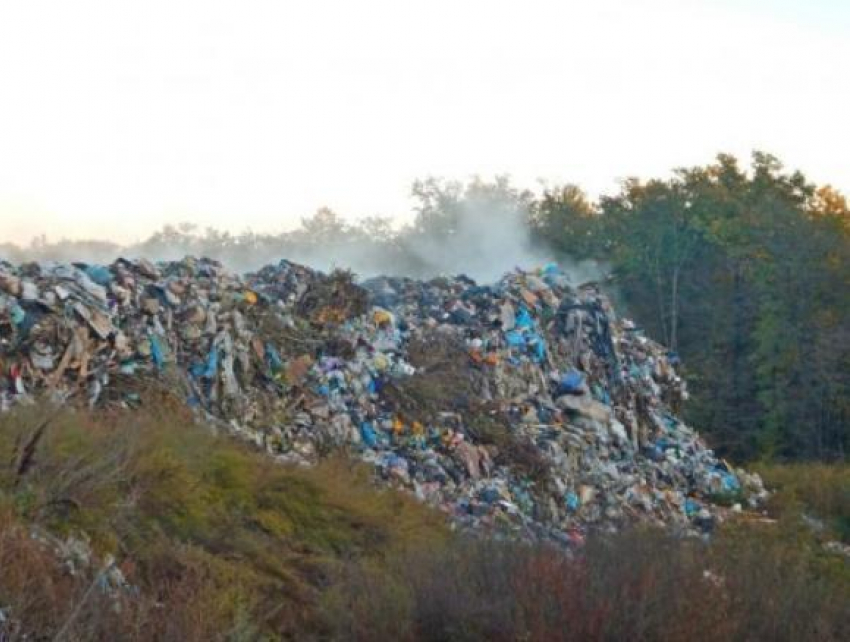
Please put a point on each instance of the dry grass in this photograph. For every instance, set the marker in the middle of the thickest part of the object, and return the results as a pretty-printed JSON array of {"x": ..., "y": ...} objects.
[
  {"x": 214, "y": 535},
  {"x": 639, "y": 585}
]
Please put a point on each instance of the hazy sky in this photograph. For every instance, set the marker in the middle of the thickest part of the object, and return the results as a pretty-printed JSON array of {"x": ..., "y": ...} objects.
[{"x": 117, "y": 117}]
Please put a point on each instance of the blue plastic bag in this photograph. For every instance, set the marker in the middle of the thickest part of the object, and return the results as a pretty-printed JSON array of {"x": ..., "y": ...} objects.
[
  {"x": 211, "y": 367},
  {"x": 99, "y": 274},
  {"x": 523, "y": 318},
  {"x": 730, "y": 482},
  {"x": 538, "y": 347},
  {"x": 273, "y": 358},
  {"x": 571, "y": 383},
  {"x": 515, "y": 339},
  {"x": 156, "y": 352},
  {"x": 368, "y": 434},
  {"x": 19, "y": 315}
]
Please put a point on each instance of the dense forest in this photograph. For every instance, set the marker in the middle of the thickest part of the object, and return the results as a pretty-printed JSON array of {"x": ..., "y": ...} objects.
[
  {"x": 747, "y": 276},
  {"x": 743, "y": 272}
]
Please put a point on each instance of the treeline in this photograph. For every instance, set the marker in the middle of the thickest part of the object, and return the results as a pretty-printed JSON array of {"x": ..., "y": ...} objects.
[
  {"x": 479, "y": 227},
  {"x": 745, "y": 273}
]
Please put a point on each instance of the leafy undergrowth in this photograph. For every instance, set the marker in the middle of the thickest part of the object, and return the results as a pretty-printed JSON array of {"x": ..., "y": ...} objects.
[
  {"x": 819, "y": 491},
  {"x": 218, "y": 542},
  {"x": 750, "y": 583}
]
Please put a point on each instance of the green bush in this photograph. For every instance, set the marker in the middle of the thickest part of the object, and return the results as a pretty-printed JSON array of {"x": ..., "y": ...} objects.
[{"x": 821, "y": 491}]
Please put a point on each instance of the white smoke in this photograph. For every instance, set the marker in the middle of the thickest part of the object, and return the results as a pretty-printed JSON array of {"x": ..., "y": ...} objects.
[{"x": 482, "y": 234}]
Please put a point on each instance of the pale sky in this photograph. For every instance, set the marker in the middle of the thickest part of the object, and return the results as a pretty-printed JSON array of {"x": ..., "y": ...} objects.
[{"x": 117, "y": 117}]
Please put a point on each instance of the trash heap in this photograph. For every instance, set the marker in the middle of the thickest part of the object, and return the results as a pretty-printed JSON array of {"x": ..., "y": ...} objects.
[{"x": 525, "y": 406}]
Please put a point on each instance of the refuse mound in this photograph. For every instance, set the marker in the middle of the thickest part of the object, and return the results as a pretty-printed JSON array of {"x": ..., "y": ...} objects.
[{"x": 525, "y": 406}]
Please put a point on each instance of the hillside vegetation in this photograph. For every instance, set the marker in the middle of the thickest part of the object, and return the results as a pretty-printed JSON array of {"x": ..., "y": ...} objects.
[{"x": 146, "y": 526}]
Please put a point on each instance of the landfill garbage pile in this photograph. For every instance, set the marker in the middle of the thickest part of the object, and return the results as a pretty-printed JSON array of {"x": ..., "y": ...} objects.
[{"x": 525, "y": 406}]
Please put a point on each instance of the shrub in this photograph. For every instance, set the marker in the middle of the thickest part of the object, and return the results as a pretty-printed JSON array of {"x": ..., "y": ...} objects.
[
  {"x": 186, "y": 513},
  {"x": 635, "y": 585}
]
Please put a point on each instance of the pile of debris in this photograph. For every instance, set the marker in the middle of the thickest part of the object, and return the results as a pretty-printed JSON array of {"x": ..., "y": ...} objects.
[{"x": 525, "y": 405}]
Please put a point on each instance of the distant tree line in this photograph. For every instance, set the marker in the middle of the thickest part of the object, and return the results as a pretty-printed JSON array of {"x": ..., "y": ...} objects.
[
  {"x": 744, "y": 272},
  {"x": 747, "y": 276}
]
